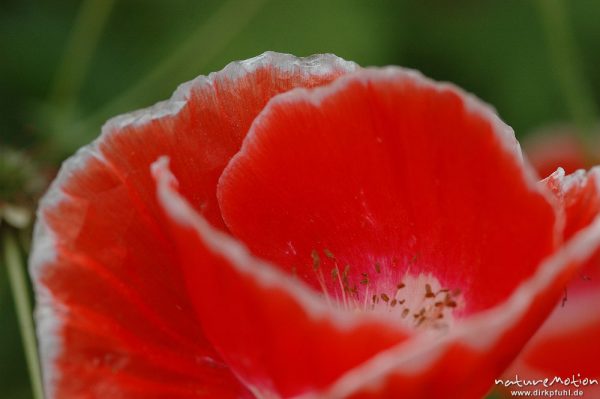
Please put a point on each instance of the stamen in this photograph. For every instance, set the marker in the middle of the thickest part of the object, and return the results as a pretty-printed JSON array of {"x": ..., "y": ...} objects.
[
  {"x": 328, "y": 253},
  {"x": 366, "y": 298},
  {"x": 421, "y": 296},
  {"x": 365, "y": 279},
  {"x": 428, "y": 292},
  {"x": 316, "y": 259},
  {"x": 345, "y": 278},
  {"x": 342, "y": 286}
]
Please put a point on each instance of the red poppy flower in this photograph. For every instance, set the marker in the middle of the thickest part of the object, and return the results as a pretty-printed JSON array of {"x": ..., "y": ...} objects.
[
  {"x": 566, "y": 344},
  {"x": 299, "y": 228}
]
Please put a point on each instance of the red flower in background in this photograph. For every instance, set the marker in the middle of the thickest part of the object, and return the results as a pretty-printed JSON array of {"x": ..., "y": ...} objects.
[
  {"x": 551, "y": 148},
  {"x": 309, "y": 229}
]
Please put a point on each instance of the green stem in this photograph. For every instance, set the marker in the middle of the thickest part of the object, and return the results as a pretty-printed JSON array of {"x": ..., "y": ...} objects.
[
  {"x": 20, "y": 291},
  {"x": 203, "y": 44},
  {"x": 567, "y": 64},
  {"x": 81, "y": 45}
]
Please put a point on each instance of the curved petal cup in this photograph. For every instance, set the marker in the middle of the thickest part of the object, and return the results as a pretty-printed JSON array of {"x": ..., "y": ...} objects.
[
  {"x": 299, "y": 228},
  {"x": 405, "y": 208}
]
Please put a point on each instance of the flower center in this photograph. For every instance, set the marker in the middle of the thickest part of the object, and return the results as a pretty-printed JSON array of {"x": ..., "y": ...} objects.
[{"x": 417, "y": 300}]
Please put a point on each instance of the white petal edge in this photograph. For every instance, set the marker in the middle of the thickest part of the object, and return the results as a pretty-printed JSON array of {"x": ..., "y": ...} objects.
[{"x": 48, "y": 311}]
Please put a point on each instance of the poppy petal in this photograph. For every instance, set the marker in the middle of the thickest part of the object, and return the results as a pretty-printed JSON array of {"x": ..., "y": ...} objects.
[
  {"x": 565, "y": 346},
  {"x": 578, "y": 196},
  {"x": 387, "y": 167},
  {"x": 113, "y": 316},
  {"x": 277, "y": 335}
]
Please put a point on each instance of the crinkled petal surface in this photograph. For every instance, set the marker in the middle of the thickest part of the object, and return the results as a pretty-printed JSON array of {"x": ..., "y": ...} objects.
[
  {"x": 114, "y": 318},
  {"x": 566, "y": 345},
  {"x": 393, "y": 175}
]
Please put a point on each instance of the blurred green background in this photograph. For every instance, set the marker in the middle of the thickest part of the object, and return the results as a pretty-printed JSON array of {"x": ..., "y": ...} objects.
[{"x": 66, "y": 66}]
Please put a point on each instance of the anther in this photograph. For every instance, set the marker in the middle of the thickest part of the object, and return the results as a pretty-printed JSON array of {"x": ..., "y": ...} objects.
[
  {"x": 428, "y": 292},
  {"x": 328, "y": 253},
  {"x": 377, "y": 267},
  {"x": 334, "y": 273},
  {"x": 315, "y": 259}
]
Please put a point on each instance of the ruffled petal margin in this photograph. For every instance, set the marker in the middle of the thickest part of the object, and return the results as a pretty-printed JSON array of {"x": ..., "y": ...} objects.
[
  {"x": 114, "y": 319},
  {"x": 566, "y": 344}
]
